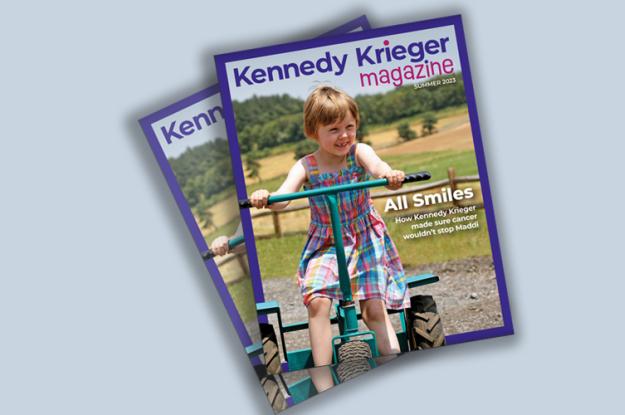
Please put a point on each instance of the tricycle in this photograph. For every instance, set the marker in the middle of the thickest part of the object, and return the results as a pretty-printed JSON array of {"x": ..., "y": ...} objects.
[{"x": 354, "y": 350}]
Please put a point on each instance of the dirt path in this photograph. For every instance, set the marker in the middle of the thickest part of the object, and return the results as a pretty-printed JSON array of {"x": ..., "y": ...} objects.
[{"x": 466, "y": 296}]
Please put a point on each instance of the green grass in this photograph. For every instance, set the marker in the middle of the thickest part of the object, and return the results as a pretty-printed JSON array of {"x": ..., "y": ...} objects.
[
  {"x": 279, "y": 257},
  {"x": 272, "y": 184},
  {"x": 243, "y": 297},
  {"x": 440, "y": 248},
  {"x": 436, "y": 163},
  {"x": 226, "y": 229}
]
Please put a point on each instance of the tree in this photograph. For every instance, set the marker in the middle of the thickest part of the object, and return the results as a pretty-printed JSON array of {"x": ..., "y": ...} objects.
[
  {"x": 202, "y": 211},
  {"x": 405, "y": 132},
  {"x": 252, "y": 165},
  {"x": 304, "y": 148},
  {"x": 429, "y": 123},
  {"x": 363, "y": 129}
]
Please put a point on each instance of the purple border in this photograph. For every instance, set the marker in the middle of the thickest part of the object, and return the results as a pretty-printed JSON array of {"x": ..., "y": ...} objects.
[
  {"x": 456, "y": 21},
  {"x": 185, "y": 209},
  {"x": 146, "y": 125}
]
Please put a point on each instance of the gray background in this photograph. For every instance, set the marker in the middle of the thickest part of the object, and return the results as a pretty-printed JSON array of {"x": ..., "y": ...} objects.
[{"x": 105, "y": 306}]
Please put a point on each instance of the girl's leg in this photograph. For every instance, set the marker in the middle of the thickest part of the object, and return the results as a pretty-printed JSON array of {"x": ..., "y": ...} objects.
[
  {"x": 320, "y": 332},
  {"x": 376, "y": 318}
]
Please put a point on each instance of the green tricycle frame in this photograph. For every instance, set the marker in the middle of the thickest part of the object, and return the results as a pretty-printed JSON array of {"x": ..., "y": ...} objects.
[{"x": 411, "y": 336}]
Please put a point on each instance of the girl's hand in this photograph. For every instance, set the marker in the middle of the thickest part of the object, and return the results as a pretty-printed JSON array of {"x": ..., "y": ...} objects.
[
  {"x": 395, "y": 179},
  {"x": 220, "y": 246},
  {"x": 259, "y": 198}
]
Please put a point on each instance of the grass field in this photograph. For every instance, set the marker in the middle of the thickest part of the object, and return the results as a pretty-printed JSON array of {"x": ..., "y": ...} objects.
[
  {"x": 243, "y": 297},
  {"x": 415, "y": 121},
  {"x": 279, "y": 257},
  {"x": 436, "y": 163},
  {"x": 275, "y": 167},
  {"x": 452, "y": 145},
  {"x": 453, "y": 133},
  {"x": 226, "y": 229}
]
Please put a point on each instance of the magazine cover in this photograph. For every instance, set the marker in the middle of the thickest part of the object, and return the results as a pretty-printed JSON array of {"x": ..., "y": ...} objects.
[
  {"x": 188, "y": 140},
  {"x": 364, "y": 195}
]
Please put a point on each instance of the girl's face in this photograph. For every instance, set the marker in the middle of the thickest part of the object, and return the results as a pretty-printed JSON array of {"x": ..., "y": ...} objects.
[{"x": 337, "y": 138}]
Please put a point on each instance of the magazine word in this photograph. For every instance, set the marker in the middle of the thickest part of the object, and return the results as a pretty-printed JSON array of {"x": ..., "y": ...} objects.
[
  {"x": 188, "y": 127},
  {"x": 440, "y": 222},
  {"x": 443, "y": 227},
  {"x": 327, "y": 63},
  {"x": 397, "y": 76},
  {"x": 419, "y": 199},
  {"x": 434, "y": 82},
  {"x": 415, "y": 52}
]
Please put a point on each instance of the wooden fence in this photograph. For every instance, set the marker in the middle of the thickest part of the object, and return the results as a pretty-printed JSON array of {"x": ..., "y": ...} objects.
[{"x": 452, "y": 181}]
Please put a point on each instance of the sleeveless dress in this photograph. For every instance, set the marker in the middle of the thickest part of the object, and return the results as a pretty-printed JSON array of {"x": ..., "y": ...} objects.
[{"x": 373, "y": 263}]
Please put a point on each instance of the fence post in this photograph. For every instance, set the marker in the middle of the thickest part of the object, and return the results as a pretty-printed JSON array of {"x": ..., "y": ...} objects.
[
  {"x": 451, "y": 173},
  {"x": 243, "y": 263},
  {"x": 276, "y": 224}
]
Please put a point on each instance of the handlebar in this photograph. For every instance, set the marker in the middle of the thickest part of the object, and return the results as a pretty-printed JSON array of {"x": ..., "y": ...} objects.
[
  {"x": 232, "y": 243},
  {"x": 410, "y": 178}
]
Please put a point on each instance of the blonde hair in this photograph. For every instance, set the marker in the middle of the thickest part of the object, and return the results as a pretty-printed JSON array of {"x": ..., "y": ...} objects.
[{"x": 327, "y": 105}]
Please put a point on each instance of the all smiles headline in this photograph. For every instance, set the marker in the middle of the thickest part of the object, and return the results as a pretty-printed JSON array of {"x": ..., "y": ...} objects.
[{"x": 416, "y": 61}]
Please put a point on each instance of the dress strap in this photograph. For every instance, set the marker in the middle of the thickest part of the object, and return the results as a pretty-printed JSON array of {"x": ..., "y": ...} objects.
[
  {"x": 351, "y": 156},
  {"x": 311, "y": 166}
]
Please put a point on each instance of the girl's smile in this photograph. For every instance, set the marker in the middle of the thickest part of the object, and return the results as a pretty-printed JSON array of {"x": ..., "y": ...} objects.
[{"x": 336, "y": 139}]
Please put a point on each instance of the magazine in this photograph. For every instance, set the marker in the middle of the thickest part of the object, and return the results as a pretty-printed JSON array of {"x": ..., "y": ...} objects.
[
  {"x": 188, "y": 141},
  {"x": 365, "y": 205}
]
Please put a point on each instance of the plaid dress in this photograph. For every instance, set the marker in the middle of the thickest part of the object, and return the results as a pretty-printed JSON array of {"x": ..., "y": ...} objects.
[{"x": 372, "y": 260}]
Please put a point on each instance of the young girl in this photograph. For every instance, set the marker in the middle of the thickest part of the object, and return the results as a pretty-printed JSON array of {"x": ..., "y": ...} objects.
[{"x": 331, "y": 118}]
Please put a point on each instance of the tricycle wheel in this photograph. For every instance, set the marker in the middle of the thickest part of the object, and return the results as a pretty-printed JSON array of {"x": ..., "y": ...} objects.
[
  {"x": 426, "y": 328},
  {"x": 354, "y": 350},
  {"x": 274, "y": 393},
  {"x": 350, "y": 369},
  {"x": 270, "y": 348}
]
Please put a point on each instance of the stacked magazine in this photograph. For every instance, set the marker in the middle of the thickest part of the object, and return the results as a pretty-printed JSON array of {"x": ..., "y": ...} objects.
[{"x": 337, "y": 192}]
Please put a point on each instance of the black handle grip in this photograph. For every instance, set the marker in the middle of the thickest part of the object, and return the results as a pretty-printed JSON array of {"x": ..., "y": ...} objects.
[
  {"x": 245, "y": 203},
  {"x": 417, "y": 177},
  {"x": 208, "y": 254}
]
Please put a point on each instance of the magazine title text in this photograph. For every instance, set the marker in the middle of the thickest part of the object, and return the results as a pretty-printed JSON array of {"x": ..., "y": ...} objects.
[{"x": 421, "y": 56}]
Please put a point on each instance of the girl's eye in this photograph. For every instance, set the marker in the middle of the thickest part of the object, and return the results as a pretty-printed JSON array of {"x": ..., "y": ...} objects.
[{"x": 333, "y": 130}]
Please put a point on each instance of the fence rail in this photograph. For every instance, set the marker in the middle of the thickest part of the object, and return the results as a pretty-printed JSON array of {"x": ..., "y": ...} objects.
[{"x": 452, "y": 181}]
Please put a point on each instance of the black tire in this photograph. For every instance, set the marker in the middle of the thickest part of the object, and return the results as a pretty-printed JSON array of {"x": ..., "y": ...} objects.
[
  {"x": 274, "y": 394},
  {"x": 426, "y": 327},
  {"x": 350, "y": 369},
  {"x": 354, "y": 350},
  {"x": 423, "y": 304},
  {"x": 270, "y": 349}
]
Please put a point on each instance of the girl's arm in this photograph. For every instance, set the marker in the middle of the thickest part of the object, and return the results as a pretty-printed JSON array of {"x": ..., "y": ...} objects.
[
  {"x": 293, "y": 182},
  {"x": 377, "y": 167}
]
